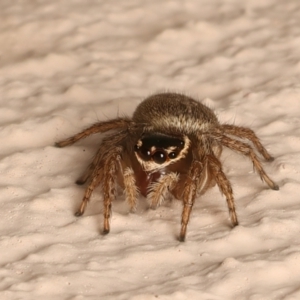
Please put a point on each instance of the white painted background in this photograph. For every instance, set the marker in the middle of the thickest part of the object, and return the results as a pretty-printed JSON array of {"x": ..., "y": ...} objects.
[{"x": 67, "y": 64}]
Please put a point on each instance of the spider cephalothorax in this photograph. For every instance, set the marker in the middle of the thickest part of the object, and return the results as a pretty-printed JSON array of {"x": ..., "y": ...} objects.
[{"x": 172, "y": 144}]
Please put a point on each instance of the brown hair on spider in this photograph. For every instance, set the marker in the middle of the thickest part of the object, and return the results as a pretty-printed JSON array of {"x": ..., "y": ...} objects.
[{"x": 172, "y": 144}]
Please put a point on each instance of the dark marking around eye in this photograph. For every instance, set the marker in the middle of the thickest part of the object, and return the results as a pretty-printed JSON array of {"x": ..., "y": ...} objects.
[{"x": 162, "y": 141}]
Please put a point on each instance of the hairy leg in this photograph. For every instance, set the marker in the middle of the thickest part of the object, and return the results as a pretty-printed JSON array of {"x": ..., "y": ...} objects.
[
  {"x": 247, "y": 150},
  {"x": 247, "y": 133},
  {"x": 89, "y": 190},
  {"x": 90, "y": 169},
  {"x": 104, "y": 126},
  {"x": 107, "y": 145},
  {"x": 109, "y": 185},
  {"x": 189, "y": 195},
  {"x": 224, "y": 185}
]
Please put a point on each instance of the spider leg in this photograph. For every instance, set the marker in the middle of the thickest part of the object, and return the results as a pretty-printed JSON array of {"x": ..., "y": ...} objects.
[
  {"x": 247, "y": 133},
  {"x": 109, "y": 185},
  {"x": 105, "y": 147},
  {"x": 86, "y": 175},
  {"x": 158, "y": 190},
  {"x": 95, "y": 172},
  {"x": 126, "y": 171},
  {"x": 247, "y": 150},
  {"x": 224, "y": 185},
  {"x": 103, "y": 169},
  {"x": 189, "y": 195},
  {"x": 88, "y": 192},
  {"x": 104, "y": 126},
  {"x": 90, "y": 169}
]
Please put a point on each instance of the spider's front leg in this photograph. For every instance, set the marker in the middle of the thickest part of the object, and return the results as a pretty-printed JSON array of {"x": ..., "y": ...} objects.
[{"x": 189, "y": 194}]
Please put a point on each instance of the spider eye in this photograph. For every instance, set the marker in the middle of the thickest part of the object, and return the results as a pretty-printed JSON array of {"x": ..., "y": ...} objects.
[
  {"x": 172, "y": 155},
  {"x": 136, "y": 148},
  {"x": 145, "y": 153},
  {"x": 159, "y": 157}
]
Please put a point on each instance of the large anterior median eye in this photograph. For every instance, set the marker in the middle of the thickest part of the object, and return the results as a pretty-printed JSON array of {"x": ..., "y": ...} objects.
[{"x": 159, "y": 157}]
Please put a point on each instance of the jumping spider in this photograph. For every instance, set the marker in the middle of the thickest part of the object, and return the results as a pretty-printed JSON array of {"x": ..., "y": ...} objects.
[{"x": 172, "y": 144}]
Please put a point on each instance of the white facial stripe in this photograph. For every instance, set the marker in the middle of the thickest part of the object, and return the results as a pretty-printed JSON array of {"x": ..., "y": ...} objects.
[{"x": 171, "y": 148}]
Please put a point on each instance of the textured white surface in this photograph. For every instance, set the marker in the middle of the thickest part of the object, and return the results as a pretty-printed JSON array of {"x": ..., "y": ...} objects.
[{"x": 67, "y": 64}]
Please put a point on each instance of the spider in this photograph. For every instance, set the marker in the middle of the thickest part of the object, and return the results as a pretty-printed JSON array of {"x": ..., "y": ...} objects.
[{"x": 172, "y": 144}]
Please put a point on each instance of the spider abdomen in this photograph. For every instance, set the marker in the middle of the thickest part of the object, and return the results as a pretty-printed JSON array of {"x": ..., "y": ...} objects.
[{"x": 175, "y": 112}]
